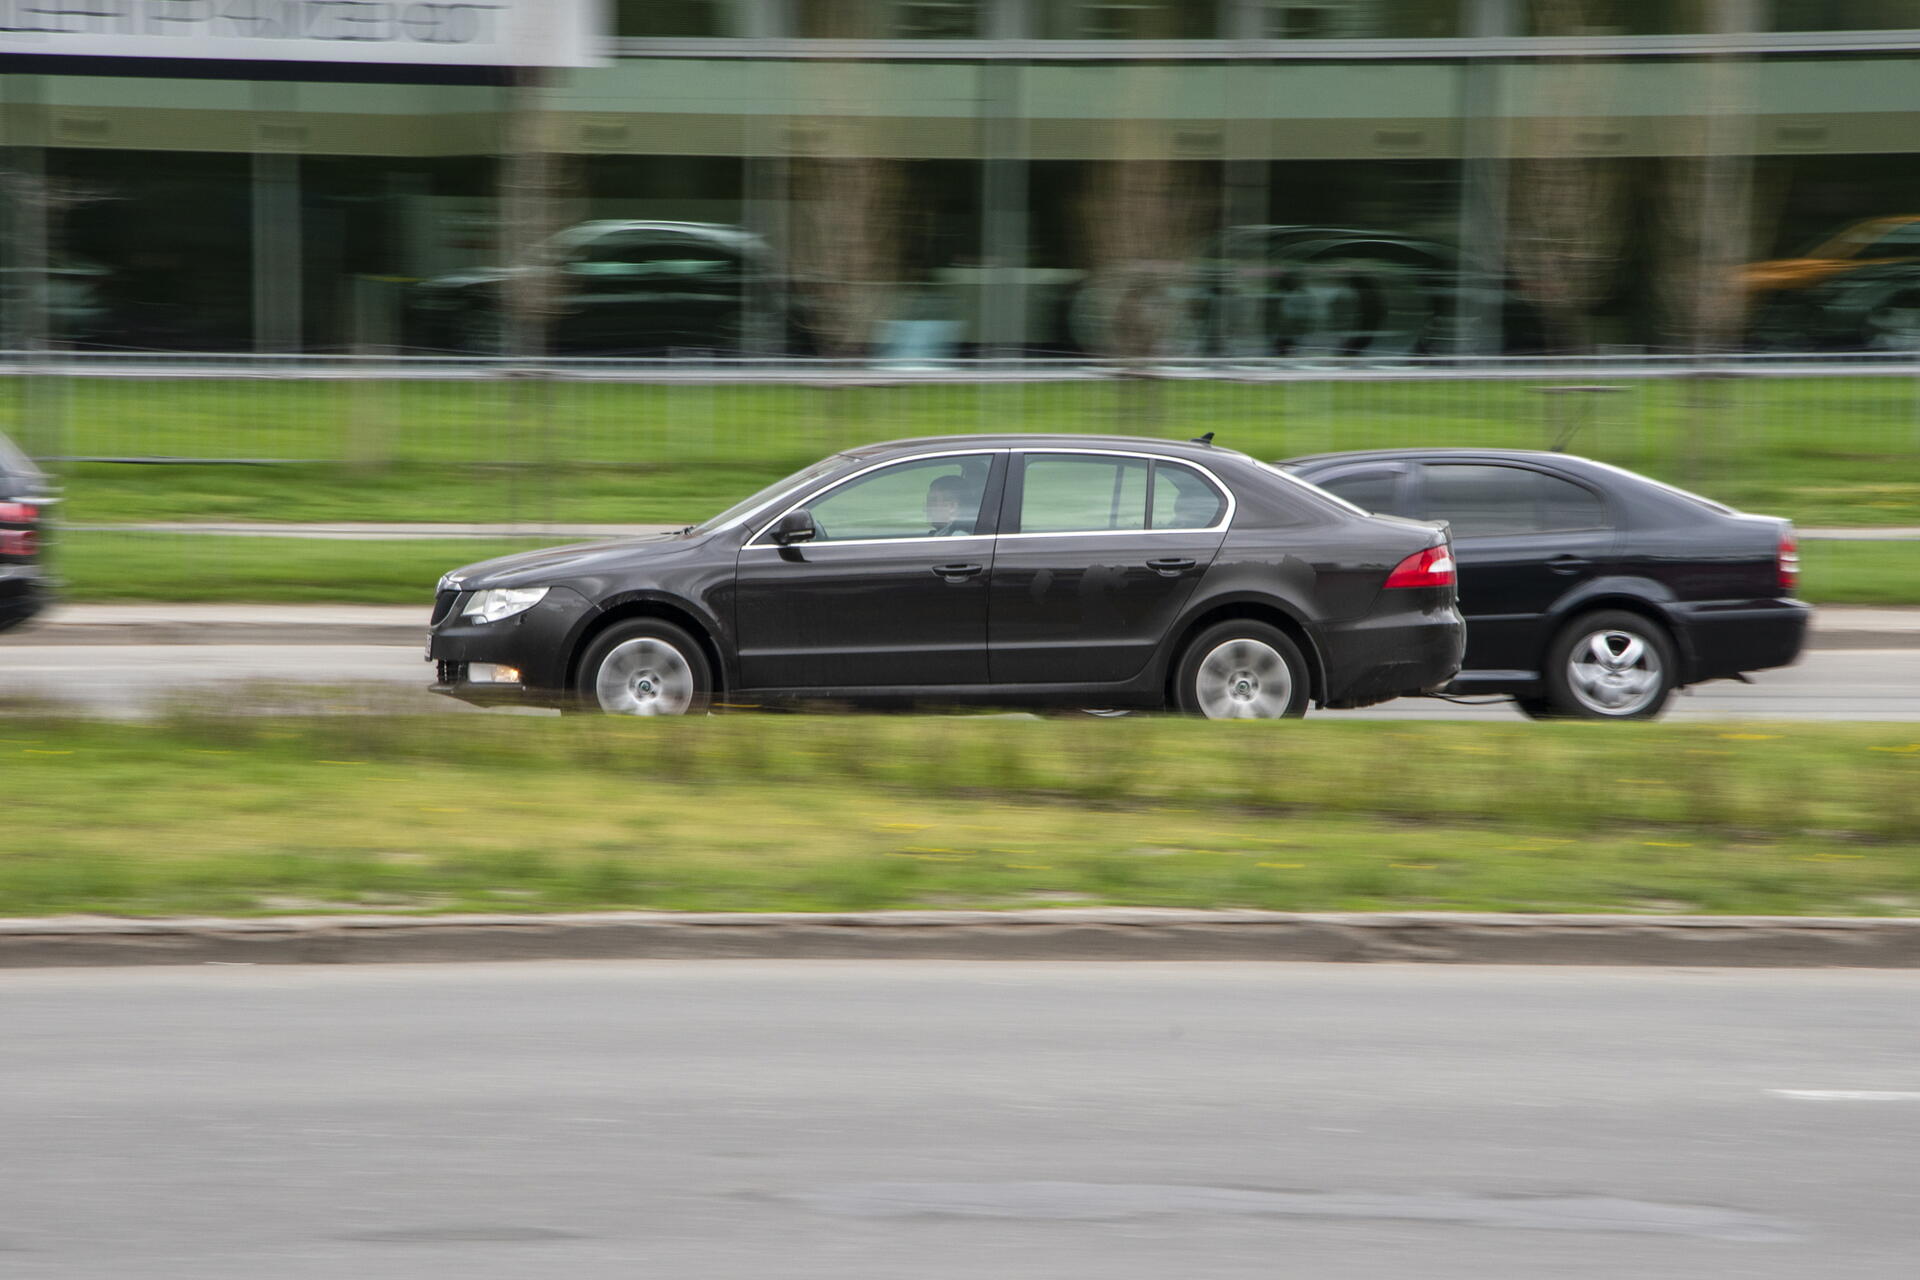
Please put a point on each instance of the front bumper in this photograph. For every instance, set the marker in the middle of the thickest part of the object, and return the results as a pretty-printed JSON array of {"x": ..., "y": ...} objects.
[
  {"x": 1414, "y": 649},
  {"x": 537, "y": 642}
]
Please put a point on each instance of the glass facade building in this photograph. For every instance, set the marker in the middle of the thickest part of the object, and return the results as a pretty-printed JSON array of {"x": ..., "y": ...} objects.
[{"x": 929, "y": 179}]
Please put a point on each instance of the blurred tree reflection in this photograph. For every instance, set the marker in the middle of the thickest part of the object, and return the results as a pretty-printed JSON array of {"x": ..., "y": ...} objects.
[
  {"x": 1568, "y": 208},
  {"x": 845, "y": 198}
]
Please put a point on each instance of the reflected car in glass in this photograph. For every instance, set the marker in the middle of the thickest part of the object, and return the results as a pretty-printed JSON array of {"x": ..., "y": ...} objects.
[
  {"x": 1858, "y": 290},
  {"x": 1012, "y": 570},
  {"x": 1589, "y": 591},
  {"x": 620, "y": 288}
]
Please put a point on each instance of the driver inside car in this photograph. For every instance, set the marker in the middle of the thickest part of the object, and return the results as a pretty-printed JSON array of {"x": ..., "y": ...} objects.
[{"x": 947, "y": 499}]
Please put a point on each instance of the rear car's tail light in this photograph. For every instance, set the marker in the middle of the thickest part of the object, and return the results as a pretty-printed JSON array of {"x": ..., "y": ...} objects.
[
  {"x": 1430, "y": 568},
  {"x": 1788, "y": 561},
  {"x": 18, "y": 513}
]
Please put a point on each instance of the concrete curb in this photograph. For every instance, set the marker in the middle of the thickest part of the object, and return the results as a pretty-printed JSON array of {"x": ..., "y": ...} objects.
[
  {"x": 413, "y": 634},
  {"x": 1076, "y": 934}
]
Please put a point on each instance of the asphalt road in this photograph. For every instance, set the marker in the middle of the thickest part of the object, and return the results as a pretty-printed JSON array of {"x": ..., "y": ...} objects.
[
  {"x": 1828, "y": 684},
  {"x": 925, "y": 1121}
]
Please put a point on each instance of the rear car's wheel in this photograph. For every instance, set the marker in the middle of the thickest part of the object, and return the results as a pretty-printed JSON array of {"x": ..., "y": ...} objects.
[
  {"x": 1611, "y": 665},
  {"x": 1241, "y": 670},
  {"x": 646, "y": 668}
]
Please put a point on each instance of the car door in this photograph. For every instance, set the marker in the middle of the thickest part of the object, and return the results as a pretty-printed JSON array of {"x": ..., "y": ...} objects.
[
  {"x": 878, "y": 598},
  {"x": 1089, "y": 573},
  {"x": 1522, "y": 539}
]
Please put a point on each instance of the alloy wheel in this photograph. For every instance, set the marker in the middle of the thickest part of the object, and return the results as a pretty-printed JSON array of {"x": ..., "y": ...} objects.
[
  {"x": 645, "y": 677},
  {"x": 1614, "y": 672},
  {"x": 1243, "y": 679}
]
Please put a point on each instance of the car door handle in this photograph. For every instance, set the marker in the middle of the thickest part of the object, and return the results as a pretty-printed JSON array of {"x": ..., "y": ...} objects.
[
  {"x": 1170, "y": 568},
  {"x": 958, "y": 572},
  {"x": 1567, "y": 564}
]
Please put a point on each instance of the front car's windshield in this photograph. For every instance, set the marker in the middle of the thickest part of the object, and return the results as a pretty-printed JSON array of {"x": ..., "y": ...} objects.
[{"x": 766, "y": 496}]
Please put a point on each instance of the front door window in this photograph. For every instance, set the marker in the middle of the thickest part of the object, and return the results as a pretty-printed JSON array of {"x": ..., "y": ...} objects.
[{"x": 930, "y": 498}]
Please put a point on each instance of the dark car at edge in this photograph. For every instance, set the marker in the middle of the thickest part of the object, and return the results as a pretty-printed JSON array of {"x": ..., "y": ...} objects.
[
  {"x": 1589, "y": 591},
  {"x": 1009, "y": 569},
  {"x": 24, "y": 499}
]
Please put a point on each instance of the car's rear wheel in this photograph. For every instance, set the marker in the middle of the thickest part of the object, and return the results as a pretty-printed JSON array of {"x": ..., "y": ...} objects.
[
  {"x": 646, "y": 668},
  {"x": 1242, "y": 670},
  {"x": 1611, "y": 665}
]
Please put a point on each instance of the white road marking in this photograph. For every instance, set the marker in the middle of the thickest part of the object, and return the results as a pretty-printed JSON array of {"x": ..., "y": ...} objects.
[{"x": 1850, "y": 1095}]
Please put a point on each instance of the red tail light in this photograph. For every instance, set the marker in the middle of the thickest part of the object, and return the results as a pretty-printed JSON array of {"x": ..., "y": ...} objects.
[
  {"x": 19, "y": 544},
  {"x": 1430, "y": 568},
  {"x": 1788, "y": 561}
]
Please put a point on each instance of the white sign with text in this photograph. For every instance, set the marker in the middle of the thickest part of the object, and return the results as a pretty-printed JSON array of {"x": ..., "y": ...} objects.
[{"x": 461, "y": 33}]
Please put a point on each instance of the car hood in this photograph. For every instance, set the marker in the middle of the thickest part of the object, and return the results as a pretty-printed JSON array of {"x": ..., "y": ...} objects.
[{"x": 550, "y": 565}]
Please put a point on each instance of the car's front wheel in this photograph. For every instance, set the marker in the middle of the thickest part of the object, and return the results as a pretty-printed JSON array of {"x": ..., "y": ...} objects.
[
  {"x": 1242, "y": 670},
  {"x": 1611, "y": 665},
  {"x": 646, "y": 668}
]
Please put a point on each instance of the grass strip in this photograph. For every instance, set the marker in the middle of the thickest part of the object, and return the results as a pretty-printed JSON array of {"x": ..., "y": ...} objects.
[
  {"x": 1817, "y": 450},
  {"x": 111, "y": 566},
  {"x": 238, "y": 814}
]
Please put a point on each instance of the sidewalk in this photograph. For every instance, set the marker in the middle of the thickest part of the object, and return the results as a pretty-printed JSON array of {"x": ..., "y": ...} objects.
[
  {"x": 349, "y": 529},
  {"x": 1834, "y": 626}
]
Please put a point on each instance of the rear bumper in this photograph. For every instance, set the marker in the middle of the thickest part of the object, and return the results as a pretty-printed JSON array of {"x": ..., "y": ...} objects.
[
  {"x": 23, "y": 593},
  {"x": 1723, "y": 638},
  {"x": 1413, "y": 650}
]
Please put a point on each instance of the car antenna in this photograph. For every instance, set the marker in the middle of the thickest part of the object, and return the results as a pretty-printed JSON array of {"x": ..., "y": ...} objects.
[{"x": 1206, "y": 439}]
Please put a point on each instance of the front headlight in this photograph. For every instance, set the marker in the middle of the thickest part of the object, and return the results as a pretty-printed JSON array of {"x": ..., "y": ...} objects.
[{"x": 492, "y": 606}]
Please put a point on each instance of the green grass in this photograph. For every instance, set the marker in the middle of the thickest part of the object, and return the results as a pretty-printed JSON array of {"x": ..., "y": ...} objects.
[
  {"x": 1820, "y": 451},
  {"x": 105, "y": 566},
  {"x": 236, "y": 814},
  {"x": 98, "y": 568},
  {"x": 1860, "y": 572}
]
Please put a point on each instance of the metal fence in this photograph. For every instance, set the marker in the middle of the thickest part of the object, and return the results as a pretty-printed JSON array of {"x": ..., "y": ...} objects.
[{"x": 561, "y": 440}]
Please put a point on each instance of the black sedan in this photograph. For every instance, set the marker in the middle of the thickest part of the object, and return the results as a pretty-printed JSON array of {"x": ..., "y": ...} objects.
[
  {"x": 1071, "y": 570},
  {"x": 23, "y": 503},
  {"x": 1589, "y": 591}
]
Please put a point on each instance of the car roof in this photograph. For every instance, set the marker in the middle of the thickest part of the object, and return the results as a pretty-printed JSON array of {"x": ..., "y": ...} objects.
[
  {"x": 1049, "y": 440},
  {"x": 1413, "y": 454}
]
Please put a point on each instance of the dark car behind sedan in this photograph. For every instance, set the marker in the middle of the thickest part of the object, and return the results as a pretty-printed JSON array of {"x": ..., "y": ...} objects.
[
  {"x": 1588, "y": 590},
  {"x": 23, "y": 502},
  {"x": 1075, "y": 570}
]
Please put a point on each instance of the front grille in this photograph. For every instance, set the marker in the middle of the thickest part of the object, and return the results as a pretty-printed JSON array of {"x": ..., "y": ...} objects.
[
  {"x": 442, "y": 606},
  {"x": 450, "y": 672}
]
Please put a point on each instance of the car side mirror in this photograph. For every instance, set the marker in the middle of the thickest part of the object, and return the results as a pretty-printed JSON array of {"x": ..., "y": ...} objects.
[{"x": 795, "y": 526}]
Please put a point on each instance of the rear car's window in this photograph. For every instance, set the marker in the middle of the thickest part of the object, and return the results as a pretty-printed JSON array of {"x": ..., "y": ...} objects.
[
  {"x": 14, "y": 462},
  {"x": 1376, "y": 491},
  {"x": 1482, "y": 500},
  {"x": 1082, "y": 493}
]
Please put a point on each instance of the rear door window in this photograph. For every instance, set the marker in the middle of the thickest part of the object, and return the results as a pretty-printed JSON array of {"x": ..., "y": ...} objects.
[
  {"x": 1082, "y": 493},
  {"x": 1488, "y": 500}
]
